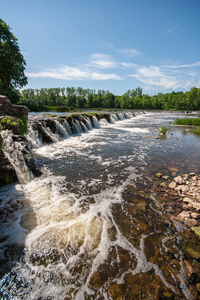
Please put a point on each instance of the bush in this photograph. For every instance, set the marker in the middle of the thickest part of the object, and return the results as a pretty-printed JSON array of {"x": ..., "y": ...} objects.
[{"x": 188, "y": 122}]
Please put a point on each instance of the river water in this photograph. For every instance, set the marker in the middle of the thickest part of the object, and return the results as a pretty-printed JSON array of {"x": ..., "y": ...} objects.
[{"x": 91, "y": 226}]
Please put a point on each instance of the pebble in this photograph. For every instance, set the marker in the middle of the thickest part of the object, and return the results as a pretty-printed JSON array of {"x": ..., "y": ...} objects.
[{"x": 187, "y": 187}]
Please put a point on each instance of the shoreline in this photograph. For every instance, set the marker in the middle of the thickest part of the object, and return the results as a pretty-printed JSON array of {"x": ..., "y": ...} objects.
[{"x": 180, "y": 198}]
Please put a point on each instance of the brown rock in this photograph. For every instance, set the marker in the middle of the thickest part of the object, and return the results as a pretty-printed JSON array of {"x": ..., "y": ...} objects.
[
  {"x": 8, "y": 109},
  {"x": 173, "y": 169},
  {"x": 190, "y": 222},
  {"x": 178, "y": 180},
  {"x": 196, "y": 206},
  {"x": 172, "y": 185},
  {"x": 188, "y": 269},
  {"x": 192, "y": 174},
  {"x": 195, "y": 216},
  {"x": 187, "y": 200},
  {"x": 184, "y": 214},
  {"x": 185, "y": 176},
  {"x": 198, "y": 287}
]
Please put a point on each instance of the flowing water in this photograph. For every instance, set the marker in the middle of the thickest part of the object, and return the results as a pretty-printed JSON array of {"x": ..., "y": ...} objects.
[{"x": 91, "y": 227}]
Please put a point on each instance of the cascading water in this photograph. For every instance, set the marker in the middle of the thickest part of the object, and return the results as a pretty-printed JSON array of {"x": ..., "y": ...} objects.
[
  {"x": 61, "y": 130},
  {"x": 88, "y": 123},
  {"x": 91, "y": 226},
  {"x": 95, "y": 122},
  {"x": 13, "y": 150}
]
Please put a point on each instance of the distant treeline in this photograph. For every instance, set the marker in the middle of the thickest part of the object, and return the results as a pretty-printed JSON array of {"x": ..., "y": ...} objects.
[{"x": 132, "y": 99}]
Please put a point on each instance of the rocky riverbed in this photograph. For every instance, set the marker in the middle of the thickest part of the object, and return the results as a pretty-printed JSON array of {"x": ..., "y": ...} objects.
[{"x": 181, "y": 198}]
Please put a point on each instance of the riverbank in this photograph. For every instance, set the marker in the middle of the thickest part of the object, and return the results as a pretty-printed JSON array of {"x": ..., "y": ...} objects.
[{"x": 181, "y": 198}]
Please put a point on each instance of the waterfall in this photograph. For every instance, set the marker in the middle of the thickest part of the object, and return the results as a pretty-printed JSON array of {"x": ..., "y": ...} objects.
[
  {"x": 95, "y": 122},
  {"x": 76, "y": 126},
  {"x": 43, "y": 131},
  {"x": 113, "y": 118},
  {"x": 33, "y": 137},
  {"x": 83, "y": 126},
  {"x": 88, "y": 123},
  {"x": 13, "y": 150},
  {"x": 60, "y": 130},
  {"x": 67, "y": 127}
]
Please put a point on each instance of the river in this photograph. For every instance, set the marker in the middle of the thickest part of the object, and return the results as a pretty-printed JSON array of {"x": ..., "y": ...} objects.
[{"x": 91, "y": 227}]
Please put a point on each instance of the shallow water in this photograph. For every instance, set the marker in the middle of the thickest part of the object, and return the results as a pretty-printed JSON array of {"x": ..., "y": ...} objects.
[{"x": 91, "y": 227}]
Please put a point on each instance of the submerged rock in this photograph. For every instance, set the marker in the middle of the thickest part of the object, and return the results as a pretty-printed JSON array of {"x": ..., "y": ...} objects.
[{"x": 196, "y": 230}]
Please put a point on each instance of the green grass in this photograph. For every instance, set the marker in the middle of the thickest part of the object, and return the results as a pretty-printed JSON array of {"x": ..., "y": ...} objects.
[
  {"x": 163, "y": 130},
  {"x": 188, "y": 122},
  {"x": 194, "y": 122}
]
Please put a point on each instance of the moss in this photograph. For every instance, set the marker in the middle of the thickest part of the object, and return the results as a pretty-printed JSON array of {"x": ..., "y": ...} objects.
[{"x": 18, "y": 126}]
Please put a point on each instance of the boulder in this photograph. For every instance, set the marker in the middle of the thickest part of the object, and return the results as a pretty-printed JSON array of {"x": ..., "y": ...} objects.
[{"x": 8, "y": 109}]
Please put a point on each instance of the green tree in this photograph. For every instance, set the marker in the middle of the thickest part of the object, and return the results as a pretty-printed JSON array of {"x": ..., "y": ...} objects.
[{"x": 12, "y": 63}]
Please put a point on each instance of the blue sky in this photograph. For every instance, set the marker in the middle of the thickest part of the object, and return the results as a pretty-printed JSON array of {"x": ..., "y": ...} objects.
[{"x": 113, "y": 45}]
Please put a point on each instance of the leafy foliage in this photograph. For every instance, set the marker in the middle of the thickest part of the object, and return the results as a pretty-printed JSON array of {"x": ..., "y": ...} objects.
[
  {"x": 132, "y": 99},
  {"x": 163, "y": 130},
  {"x": 189, "y": 122},
  {"x": 12, "y": 63}
]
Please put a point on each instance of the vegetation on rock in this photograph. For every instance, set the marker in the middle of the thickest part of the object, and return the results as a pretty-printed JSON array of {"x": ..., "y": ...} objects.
[{"x": 18, "y": 126}]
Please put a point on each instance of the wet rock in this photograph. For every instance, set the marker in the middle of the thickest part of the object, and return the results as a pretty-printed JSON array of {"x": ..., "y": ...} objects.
[
  {"x": 192, "y": 174},
  {"x": 196, "y": 206},
  {"x": 115, "y": 292},
  {"x": 193, "y": 253},
  {"x": 172, "y": 185},
  {"x": 190, "y": 273},
  {"x": 196, "y": 230},
  {"x": 173, "y": 169},
  {"x": 178, "y": 180},
  {"x": 181, "y": 217},
  {"x": 185, "y": 177},
  {"x": 159, "y": 175},
  {"x": 173, "y": 174},
  {"x": 195, "y": 216},
  {"x": 187, "y": 200},
  {"x": 190, "y": 222},
  {"x": 198, "y": 287}
]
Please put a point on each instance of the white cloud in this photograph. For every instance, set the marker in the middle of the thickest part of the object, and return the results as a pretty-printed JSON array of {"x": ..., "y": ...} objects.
[
  {"x": 102, "y": 61},
  {"x": 153, "y": 76},
  {"x": 129, "y": 52},
  {"x": 71, "y": 73},
  {"x": 196, "y": 64},
  {"x": 172, "y": 29},
  {"x": 129, "y": 65}
]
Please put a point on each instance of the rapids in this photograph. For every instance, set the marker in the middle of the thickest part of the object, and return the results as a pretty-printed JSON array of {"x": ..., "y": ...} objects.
[{"x": 91, "y": 227}]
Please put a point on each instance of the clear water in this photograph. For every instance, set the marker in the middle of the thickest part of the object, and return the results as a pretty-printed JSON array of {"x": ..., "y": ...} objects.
[{"x": 90, "y": 227}]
